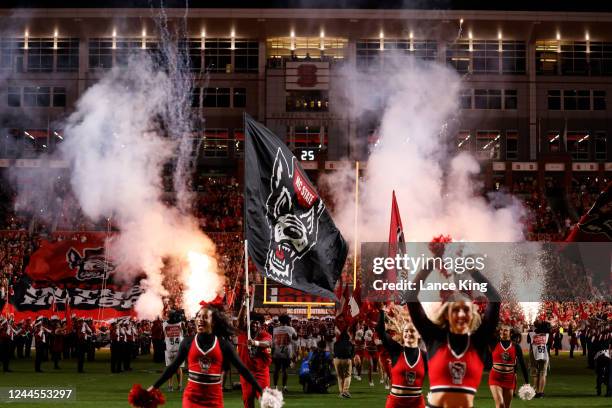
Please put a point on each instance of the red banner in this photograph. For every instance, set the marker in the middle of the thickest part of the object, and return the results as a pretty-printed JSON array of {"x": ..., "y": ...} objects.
[{"x": 72, "y": 276}]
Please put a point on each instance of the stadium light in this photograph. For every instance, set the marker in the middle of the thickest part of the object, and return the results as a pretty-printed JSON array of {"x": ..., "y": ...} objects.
[
  {"x": 558, "y": 35},
  {"x": 58, "y": 135},
  {"x": 28, "y": 135}
]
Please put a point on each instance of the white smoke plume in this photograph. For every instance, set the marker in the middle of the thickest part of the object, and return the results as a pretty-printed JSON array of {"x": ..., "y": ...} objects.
[
  {"x": 435, "y": 187},
  {"x": 116, "y": 151}
]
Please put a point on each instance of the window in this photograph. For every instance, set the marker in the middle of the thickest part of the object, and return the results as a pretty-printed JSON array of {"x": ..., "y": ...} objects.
[
  {"x": 513, "y": 57},
  {"x": 576, "y": 100},
  {"x": 601, "y": 145},
  {"x": 599, "y": 100},
  {"x": 554, "y": 141},
  {"x": 485, "y": 57},
  {"x": 215, "y": 143},
  {"x": 11, "y": 54},
  {"x": 600, "y": 58},
  {"x": 126, "y": 47},
  {"x": 195, "y": 97},
  {"x": 239, "y": 97},
  {"x": 547, "y": 57},
  {"x": 246, "y": 56},
  {"x": 510, "y": 99},
  {"x": 464, "y": 141},
  {"x": 307, "y": 101},
  {"x": 578, "y": 144},
  {"x": 67, "y": 55},
  {"x": 59, "y": 96},
  {"x": 574, "y": 58},
  {"x": 465, "y": 99},
  {"x": 218, "y": 55},
  {"x": 14, "y": 97},
  {"x": 368, "y": 54},
  {"x": 37, "y": 96},
  {"x": 426, "y": 50},
  {"x": 313, "y": 137},
  {"x": 458, "y": 56},
  {"x": 487, "y": 99},
  {"x": 239, "y": 142},
  {"x": 216, "y": 98},
  {"x": 40, "y": 55},
  {"x": 512, "y": 138},
  {"x": 554, "y": 99},
  {"x": 100, "y": 53},
  {"x": 192, "y": 49},
  {"x": 488, "y": 144}
]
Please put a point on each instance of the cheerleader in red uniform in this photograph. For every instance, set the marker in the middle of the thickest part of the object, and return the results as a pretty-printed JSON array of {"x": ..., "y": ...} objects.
[
  {"x": 371, "y": 353},
  {"x": 502, "y": 379},
  {"x": 256, "y": 354},
  {"x": 208, "y": 354},
  {"x": 408, "y": 366},
  {"x": 457, "y": 342},
  {"x": 359, "y": 351}
]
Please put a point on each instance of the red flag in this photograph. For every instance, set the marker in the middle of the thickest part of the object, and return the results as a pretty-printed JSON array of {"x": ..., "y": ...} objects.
[
  {"x": 396, "y": 236},
  {"x": 354, "y": 303},
  {"x": 343, "y": 305},
  {"x": 595, "y": 225}
]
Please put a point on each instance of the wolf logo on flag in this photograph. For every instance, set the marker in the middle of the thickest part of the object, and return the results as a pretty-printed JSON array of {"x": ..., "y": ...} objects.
[
  {"x": 293, "y": 212},
  {"x": 92, "y": 265}
]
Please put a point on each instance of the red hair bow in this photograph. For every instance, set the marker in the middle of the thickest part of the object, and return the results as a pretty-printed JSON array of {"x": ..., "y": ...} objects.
[{"x": 216, "y": 302}]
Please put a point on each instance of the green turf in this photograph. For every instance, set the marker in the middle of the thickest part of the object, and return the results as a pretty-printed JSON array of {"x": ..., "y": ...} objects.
[{"x": 570, "y": 385}]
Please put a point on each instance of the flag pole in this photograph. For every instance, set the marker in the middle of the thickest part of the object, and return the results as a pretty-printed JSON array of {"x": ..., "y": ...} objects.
[
  {"x": 246, "y": 280},
  {"x": 246, "y": 242},
  {"x": 356, "y": 223}
]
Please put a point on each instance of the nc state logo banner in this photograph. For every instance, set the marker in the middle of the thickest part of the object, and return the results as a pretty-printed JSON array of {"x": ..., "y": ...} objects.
[
  {"x": 68, "y": 260},
  {"x": 292, "y": 238},
  {"x": 73, "y": 272}
]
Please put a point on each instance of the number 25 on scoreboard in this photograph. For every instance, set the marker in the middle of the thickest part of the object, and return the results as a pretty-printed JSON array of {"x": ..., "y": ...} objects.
[{"x": 307, "y": 155}]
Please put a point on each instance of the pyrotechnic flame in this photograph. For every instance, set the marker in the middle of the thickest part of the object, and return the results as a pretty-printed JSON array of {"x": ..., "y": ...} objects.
[
  {"x": 530, "y": 310},
  {"x": 202, "y": 282}
]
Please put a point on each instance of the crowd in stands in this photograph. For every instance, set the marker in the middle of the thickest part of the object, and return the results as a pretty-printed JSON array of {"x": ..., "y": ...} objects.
[{"x": 218, "y": 204}]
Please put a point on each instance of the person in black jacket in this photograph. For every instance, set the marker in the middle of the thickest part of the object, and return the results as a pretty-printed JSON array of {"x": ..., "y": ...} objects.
[{"x": 344, "y": 351}]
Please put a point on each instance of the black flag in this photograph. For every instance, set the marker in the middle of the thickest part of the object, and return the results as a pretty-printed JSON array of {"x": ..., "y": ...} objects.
[{"x": 292, "y": 238}]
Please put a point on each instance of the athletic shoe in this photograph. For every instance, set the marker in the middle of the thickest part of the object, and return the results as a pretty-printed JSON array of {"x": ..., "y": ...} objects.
[
  {"x": 387, "y": 386},
  {"x": 170, "y": 389},
  {"x": 358, "y": 378},
  {"x": 382, "y": 381},
  {"x": 371, "y": 384},
  {"x": 347, "y": 394},
  {"x": 285, "y": 390}
]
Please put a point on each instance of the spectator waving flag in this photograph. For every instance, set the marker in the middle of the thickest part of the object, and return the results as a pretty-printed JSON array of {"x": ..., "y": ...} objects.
[{"x": 291, "y": 236}]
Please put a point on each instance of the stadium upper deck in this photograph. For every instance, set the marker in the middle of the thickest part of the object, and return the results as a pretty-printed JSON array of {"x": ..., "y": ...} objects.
[{"x": 536, "y": 83}]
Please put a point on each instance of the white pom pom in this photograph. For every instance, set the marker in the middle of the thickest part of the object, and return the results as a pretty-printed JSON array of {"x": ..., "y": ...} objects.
[
  {"x": 429, "y": 395},
  {"x": 526, "y": 392},
  {"x": 271, "y": 399}
]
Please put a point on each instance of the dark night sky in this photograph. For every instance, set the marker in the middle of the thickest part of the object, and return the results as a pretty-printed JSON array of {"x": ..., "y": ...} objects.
[{"x": 534, "y": 5}]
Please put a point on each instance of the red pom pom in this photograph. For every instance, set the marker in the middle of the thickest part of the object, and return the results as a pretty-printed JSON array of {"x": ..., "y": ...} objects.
[
  {"x": 436, "y": 246},
  {"x": 141, "y": 398}
]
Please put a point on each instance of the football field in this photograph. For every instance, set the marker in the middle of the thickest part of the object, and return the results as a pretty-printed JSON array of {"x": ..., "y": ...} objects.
[{"x": 570, "y": 385}]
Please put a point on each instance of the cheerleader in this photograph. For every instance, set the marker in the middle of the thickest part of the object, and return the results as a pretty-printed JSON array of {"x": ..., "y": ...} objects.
[
  {"x": 502, "y": 377},
  {"x": 208, "y": 354},
  {"x": 408, "y": 365},
  {"x": 457, "y": 342}
]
